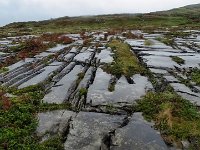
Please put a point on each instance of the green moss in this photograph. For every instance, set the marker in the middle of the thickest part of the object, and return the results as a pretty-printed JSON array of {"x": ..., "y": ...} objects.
[
  {"x": 125, "y": 62},
  {"x": 178, "y": 60}
]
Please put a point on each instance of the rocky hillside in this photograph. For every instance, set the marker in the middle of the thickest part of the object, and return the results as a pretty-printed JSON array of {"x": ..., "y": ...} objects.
[
  {"x": 190, "y": 10},
  {"x": 95, "y": 83},
  {"x": 185, "y": 17},
  {"x": 101, "y": 90}
]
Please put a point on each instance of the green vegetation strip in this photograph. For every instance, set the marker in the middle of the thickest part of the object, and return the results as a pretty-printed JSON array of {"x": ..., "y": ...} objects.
[
  {"x": 125, "y": 62},
  {"x": 176, "y": 118},
  {"x": 18, "y": 117},
  {"x": 178, "y": 60},
  {"x": 79, "y": 24},
  {"x": 196, "y": 76},
  {"x": 166, "y": 40}
]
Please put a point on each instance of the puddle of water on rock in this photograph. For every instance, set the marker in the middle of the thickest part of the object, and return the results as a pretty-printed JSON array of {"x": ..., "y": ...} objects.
[{"x": 124, "y": 92}]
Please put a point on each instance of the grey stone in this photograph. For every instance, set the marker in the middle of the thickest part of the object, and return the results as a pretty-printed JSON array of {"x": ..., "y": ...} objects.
[
  {"x": 88, "y": 129},
  {"x": 138, "y": 135}
]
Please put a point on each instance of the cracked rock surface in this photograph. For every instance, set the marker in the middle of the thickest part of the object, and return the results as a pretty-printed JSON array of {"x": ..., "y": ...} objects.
[{"x": 101, "y": 119}]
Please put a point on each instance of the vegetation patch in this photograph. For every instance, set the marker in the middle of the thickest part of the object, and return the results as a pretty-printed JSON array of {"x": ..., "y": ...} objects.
[
  {"x": 166, "y": 40},
  {"x": 178, "y": 34},
  {"x": 125, "y": 62},
  {"x": 53, "y": 143},
  {"x": 4, "y": 69},
  {"x": 195, "y": 75},
  {"x": 50, "y": 107},
  {"x": 110, "y": 108},
  {"x": 178, "y": 60},
  {"x": 176, "y": 118},
  {"x": 148, "y": 42},
  {"x": 83, "y": 92},
  {"x": 111, "y": 87},
  {"x": 18, "y": 119},
  {"x": 131, "y": 35}
]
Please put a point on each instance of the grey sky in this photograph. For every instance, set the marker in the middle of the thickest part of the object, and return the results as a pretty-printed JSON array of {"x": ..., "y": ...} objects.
[{"x": 27, "y": 10}]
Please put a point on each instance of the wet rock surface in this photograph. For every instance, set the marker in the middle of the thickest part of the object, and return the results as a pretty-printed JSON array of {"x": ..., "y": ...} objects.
[
  {"x": 99, "y": 118},
  {"x": 124, "y": 92},
  {"x": 59, "y": 91},
  {"x": 139, "y": 135}
]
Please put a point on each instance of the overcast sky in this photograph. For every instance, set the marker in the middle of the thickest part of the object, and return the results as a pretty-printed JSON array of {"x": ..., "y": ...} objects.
[{"x": 27, "y": 10}]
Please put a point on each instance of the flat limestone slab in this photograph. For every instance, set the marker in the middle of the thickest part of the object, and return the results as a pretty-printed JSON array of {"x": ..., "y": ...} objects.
[
  {"x": 124, "y": 92},
  {"x": 137, "y": 135},
  {"x": 53, "y": 122},
  {"x": 60, "y": 91},
  {"x": 88, "y": 129},
  {"x": 42, "y": 76}
]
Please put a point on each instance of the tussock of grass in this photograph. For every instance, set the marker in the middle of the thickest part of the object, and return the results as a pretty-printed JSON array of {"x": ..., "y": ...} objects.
[
  {"x": 125, "y": 62},
  {"x": 176, "y": 118}
]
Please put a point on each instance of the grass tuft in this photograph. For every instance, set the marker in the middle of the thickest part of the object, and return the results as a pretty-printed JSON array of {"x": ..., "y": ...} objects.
[{"x": 125, "y": 62}]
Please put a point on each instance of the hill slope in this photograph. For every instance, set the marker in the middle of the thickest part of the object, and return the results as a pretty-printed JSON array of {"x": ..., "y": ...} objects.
[
  {"x": 188, "y": 16},
  {"x": 190, "y": 10}
]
